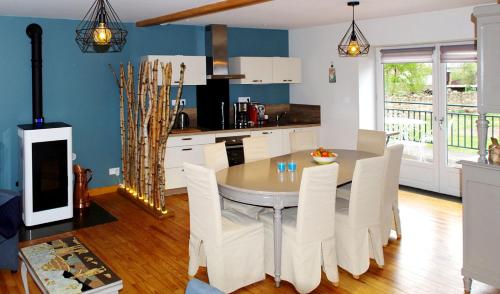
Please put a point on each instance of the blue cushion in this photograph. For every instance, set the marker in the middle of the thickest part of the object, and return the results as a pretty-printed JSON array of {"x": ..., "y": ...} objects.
[
  {"x": 196, "y": 286},
  {"x": 10, "y": 213}
]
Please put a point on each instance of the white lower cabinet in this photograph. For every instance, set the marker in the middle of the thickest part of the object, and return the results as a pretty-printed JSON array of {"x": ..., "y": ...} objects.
[
  {"x": 275, "y": 140},
  {"x": 182, "y": 149}
]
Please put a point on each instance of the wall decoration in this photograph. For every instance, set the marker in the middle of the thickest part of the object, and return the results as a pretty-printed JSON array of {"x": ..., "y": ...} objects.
[
  {"x": 146, "y": 121},
  {"x": 332, "y": 75}
]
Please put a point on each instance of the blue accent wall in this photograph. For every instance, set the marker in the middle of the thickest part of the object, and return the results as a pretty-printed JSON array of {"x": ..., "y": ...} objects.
[{"x": 79, "y": 89}]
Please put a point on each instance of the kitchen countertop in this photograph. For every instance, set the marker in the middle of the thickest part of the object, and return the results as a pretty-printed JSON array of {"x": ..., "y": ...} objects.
[{"x": 194, "y": 131}]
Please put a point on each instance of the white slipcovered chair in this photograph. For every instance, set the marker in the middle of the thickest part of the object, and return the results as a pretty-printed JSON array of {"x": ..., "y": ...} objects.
[
  {"x": 390, "y": 210},
  {"x": 308, "y": 232},
  {"x": 216, "y": 156},
  {"x": 256, "y": 148},
  {"x": 371, "y": 141},
  {"x": 216, "y": 159},
  {"x": 229, "y": 243},
  {"x": 305, "y": 140},
  {"x": 358, "y": 220}
]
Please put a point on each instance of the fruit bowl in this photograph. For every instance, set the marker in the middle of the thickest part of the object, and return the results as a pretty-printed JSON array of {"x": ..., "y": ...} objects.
[
  {"x": 323, "y": 156},
  {"x": 324, "y": 160}
]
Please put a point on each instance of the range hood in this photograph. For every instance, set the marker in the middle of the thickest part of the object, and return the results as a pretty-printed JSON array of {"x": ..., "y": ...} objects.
[{"x": 216, "y": 52}]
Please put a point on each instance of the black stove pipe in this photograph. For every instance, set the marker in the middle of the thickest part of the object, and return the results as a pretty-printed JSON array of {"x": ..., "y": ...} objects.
[{"x": 34, "y": 32}]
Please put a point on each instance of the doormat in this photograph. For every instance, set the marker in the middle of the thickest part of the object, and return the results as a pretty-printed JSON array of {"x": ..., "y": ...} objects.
[{"x": 92, "y": 216}]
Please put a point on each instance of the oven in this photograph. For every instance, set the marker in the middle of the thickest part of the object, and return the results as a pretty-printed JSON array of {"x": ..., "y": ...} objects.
[{"x": 234, "y": 149}]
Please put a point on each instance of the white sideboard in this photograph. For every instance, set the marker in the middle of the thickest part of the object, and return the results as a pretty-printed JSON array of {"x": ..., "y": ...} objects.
[{"x": 481, "y": 223}]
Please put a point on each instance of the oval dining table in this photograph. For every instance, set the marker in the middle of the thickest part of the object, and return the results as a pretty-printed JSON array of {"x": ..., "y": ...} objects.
[{"x": 259, "y": 183}]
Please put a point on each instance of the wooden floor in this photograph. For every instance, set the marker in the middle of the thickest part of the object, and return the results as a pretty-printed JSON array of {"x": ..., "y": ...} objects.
[{"x": 151, "y": 255}]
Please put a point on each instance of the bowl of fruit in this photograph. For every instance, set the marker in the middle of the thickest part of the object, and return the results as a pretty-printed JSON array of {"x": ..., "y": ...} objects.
[{"x": 323, "y": 156}]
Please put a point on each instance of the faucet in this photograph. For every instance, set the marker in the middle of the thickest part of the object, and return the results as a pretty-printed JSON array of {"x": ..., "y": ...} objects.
[{"x": 280, "y": 116}]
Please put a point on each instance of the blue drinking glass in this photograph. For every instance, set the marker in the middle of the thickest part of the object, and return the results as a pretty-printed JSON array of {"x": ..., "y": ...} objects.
[
  {"x": 281, "y": 166},
  {"x": 292, "y": 166}
]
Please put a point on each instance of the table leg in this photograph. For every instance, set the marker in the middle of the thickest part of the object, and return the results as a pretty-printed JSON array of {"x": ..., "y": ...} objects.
[
  {"x": 467, "y": 284},
  {"x": 24, "y": 277},
  {"x": 277, "y": 246}
]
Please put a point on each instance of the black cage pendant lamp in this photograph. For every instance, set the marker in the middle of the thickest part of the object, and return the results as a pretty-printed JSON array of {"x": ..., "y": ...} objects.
[
  {"x": 353, "y": 43},
  {"x": 101, "y": 30}
]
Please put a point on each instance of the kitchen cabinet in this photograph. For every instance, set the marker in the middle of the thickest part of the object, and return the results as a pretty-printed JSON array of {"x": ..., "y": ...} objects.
[
  {"x": 488, "y": 46},
  {"x": 287, "y": 70},
  {"x": 257, "y": 70},
  {"x": 275, "y": 140},
  {"x": 195, "y": 73},
  {"x": 286, "y": 137},
  {"x": 481, "y": 220},
  {"x": 182, "y": 149},
  {"x": 266, "y": 70}
]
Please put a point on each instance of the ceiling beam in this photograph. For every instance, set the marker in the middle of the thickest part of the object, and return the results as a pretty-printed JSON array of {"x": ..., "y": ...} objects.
[{"x": 198, "y": 11}]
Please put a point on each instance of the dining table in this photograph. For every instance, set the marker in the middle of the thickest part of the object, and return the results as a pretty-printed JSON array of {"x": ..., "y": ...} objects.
[{"x": 260, "y": 183}]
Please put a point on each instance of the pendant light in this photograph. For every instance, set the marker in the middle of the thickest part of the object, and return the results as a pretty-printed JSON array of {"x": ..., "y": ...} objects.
[
  {"x": 101, "y": 30},
  {"x": 353, "y": 43}
]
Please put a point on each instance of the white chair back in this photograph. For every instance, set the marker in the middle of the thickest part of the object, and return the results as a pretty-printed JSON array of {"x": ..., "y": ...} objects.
[
  {"x": 204, "y": 205},
  {"x": 305, "y": 140},
  {"x": 371, "y": 141},
  {"x": 394, "y": 153},
  {"x": 256, "y": 148},
  {"x": 216, "y": 156},
  {"x": 366, "y": 192},
  {"x": 315, "y": 215}
]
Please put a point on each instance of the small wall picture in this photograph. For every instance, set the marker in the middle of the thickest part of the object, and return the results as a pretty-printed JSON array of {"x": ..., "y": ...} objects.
[{"x": 332, "y": 75}]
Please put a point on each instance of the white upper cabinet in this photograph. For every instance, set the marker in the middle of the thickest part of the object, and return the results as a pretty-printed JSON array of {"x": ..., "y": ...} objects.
[
  {"x": 488, "y": 47},
  {"x": 287, "y": 70},
  {"x": 196, "y": 68},
  {"x": 257, "y": 70}
]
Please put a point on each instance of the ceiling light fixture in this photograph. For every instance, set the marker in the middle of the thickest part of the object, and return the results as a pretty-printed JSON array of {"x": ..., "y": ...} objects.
[
  {"x": 101, "y": 30},
  {"x": 353, "y": 43}
]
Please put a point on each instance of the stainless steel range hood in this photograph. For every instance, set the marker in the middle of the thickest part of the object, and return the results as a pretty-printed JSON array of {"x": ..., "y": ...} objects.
[{"x": 216, "y": 52}]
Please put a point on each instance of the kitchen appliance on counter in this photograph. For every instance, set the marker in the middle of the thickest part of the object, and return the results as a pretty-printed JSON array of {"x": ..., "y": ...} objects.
[
  {"x": 182, "y": 120},
  {"x": 252, "y": 114},
  {"x": 240, "y": 115},
  {"x": 261, "y": 113},
  {"x": 234, "y": 149}
]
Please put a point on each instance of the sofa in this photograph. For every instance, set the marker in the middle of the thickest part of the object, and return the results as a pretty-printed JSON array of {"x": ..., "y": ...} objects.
[{"x": 10, "y": 222}]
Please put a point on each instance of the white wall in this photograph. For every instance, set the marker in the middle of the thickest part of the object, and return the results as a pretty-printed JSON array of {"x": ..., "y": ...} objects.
[{"x": 340, "y": 102}]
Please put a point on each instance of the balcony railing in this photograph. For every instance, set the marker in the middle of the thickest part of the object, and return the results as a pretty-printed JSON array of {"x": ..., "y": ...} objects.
[{"x": 416, "y": 124}]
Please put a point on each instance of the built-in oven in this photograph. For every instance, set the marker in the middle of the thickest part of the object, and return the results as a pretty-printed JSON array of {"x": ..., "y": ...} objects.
[{"x": 234, "y": 149}]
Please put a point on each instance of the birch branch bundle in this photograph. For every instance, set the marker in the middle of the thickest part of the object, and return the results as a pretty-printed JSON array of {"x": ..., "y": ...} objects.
[{"x": 146, "y": 120}]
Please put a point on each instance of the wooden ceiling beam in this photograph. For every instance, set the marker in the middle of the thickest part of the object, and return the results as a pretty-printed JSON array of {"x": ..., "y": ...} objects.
[{"x": 198, "y": 11}]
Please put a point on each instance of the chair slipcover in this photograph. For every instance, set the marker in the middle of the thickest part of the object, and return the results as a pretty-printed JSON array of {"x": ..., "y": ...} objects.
[
  {"x": 216, "y": 159},
  {"x": 305, "y": 140},
  {"x": 216, "y": 156},
  {"x": 308, "y": 232},
  {"x": 390, "y": 210},
  {"x": 229, "y": 243},
  {"x": 357, "y": 220},
  {"x": 256, "y": 148},
  {"x": 371, "y": 141}
]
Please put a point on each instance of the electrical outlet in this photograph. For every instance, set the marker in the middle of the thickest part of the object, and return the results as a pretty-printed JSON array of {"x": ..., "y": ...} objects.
[
  {"x": 115, "y": 171},
  {"x": 182, "y": 102},
  {"x": 244, "y": 99},
  {"x": 73, "y": 157}
]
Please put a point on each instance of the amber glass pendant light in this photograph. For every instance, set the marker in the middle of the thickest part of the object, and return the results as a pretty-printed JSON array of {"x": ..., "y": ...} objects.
[
  {"x": 101, "y": 30},
  {"x": 354, "y": 42}
]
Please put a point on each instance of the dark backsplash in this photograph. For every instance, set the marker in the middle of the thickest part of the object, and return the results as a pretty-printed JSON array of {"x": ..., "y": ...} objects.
[{"x": 296, "y": 114}]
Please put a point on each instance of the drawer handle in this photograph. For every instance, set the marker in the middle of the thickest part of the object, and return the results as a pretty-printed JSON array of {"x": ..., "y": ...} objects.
[
  {"x": 257, "y": 81},
  {"x": 266, "y": 133},
  {"x": 187, "y": 139},
  {"x": 187, "y": 149},
  {"x": 176, "y": 82}
]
